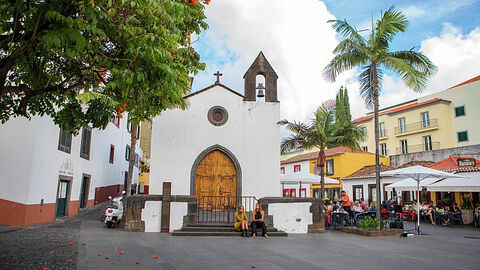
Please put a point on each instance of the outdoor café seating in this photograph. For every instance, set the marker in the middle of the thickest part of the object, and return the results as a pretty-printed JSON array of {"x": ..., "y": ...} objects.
[{"x": 338, "y": 220}]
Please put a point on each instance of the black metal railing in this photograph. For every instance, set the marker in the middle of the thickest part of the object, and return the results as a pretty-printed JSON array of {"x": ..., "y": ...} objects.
[
  {"x": 222, "y": 209},
  {"x": 430, "y": 123},
  {"x": 418, "y": 148}
]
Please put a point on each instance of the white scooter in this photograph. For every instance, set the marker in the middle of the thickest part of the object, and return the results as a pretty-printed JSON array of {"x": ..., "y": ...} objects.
[{"x": 114, "y": 212}]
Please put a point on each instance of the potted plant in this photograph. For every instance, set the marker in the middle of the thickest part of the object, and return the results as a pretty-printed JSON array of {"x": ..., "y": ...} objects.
[{"x": 467, "y": 209}]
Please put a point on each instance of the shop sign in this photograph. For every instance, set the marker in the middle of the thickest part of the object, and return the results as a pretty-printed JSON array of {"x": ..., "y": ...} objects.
[{"x": 466, "y": 162}]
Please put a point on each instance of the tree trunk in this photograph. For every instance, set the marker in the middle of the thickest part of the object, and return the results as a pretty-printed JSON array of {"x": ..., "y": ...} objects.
[
  {"x": 321, "y": 164},
  {"x": 377, "y": 136},
  {"x": 131, "y": 162}
]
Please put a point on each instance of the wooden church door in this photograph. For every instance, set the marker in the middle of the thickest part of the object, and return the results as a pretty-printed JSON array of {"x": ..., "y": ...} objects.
[{"x": 216, "y": 182}]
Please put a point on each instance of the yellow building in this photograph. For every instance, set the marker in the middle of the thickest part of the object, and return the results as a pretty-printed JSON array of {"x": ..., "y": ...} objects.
[
  {"x": 340, "y": 162},
  {"x": 442, "y": 120},
  {"x": 144, "y": 183}
]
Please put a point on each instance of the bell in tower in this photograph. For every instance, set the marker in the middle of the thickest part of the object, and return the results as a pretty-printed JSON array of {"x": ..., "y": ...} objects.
[{"x": 261, "y": 67}]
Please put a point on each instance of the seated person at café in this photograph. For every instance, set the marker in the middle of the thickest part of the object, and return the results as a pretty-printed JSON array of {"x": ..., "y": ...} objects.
[
  {"x": 257, "y": 221},
  {"x": 335, "y": 204},
  {"x": 241, "y": 221},
  {"x": 430, "y": 212},
  {"x": 357, "y": 208},
  {"x": 363, "y": 205},
  {"x": 476, "y": 214},
  {"x": 373, "y": 208}
]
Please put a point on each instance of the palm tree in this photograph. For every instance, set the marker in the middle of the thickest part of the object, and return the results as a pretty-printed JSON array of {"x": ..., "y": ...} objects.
[
  {"x": 373, "y": 56},
  {"x": 322, "y": 132}
]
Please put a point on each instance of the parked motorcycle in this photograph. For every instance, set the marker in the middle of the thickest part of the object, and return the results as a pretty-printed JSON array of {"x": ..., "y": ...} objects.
[{"x": 114, "y": 212}]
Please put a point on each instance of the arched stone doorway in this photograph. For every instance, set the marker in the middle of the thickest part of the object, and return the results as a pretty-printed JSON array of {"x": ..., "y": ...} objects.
[{"x": 216, "y": 179}]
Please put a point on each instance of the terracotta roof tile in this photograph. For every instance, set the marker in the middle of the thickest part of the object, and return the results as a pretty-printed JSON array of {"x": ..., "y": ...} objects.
[
  {"x": 368, "y": 171},
  {"x": 423, "y": 163},
  {"x": 328, "y": 153},
  {"x": 399, "y": 109},
  {"x": 467, "y": 82},
  {"x": 450, "y": 164}
]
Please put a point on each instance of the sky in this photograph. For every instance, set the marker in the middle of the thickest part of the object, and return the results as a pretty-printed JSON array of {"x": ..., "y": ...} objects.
[{"x": 297, "y": 40}]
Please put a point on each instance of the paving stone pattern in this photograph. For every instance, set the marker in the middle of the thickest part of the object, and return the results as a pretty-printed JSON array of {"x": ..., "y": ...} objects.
[{"x": 30, "y": 248}]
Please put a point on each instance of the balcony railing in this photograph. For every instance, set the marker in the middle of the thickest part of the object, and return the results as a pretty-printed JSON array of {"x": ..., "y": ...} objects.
[
  {"x": 418, "y": 126},
  {"x": 418, "y": 148},
  {"x": 382, "y": 133}
]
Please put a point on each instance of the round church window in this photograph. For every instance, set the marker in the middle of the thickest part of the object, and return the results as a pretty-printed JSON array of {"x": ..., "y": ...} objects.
[{"x": 217, "y": 116}]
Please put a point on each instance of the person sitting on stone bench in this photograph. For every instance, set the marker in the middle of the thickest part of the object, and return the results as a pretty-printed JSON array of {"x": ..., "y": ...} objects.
[
  {"x": 241, "y": 223},
  {"x": 257, "y": 221}
]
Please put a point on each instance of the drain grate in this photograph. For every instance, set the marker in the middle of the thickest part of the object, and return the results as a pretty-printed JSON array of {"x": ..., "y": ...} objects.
[{"x": 472, "y": 237}]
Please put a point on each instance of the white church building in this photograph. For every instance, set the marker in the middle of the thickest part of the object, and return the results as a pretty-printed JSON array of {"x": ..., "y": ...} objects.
[{"x": 225, "y": 146}]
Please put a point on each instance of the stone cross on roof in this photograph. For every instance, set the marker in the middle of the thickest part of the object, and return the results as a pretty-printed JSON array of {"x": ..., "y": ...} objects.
[{"x": 218, "y": 74}]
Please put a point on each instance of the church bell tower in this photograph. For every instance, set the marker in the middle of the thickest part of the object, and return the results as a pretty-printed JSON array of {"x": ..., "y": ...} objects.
[{"x": 261, "y": 67}]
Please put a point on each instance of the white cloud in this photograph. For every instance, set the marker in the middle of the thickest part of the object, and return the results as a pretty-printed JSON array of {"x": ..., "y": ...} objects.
[
  {"x": 294, "y": 36},
  {"x": 424, "y": 10},
  {"x": 456, "y": 56}
]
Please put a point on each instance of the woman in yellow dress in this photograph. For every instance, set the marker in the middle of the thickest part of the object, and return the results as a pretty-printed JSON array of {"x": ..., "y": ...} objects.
[{"x": 241, "y": 221}]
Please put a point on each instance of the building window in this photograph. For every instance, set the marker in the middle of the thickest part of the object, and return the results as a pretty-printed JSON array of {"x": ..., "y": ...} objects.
[
  {"x": 425, "y": 119},
  {"x": 404, "y": 146},
  {"x": 127, "y": 153},
  {"x": 129, "y": 123},
  {"x": 112, "y": 154},
  {"x": 383, "y": 149},
  {"x": 459, "y": 111},
  {"x": 282, "y": 170},
  {"x": 297, "y": 168},
  {"x": 365, "y": 148},
  {"x": 382, "y": 130},
  {"x": 65, "y": 141},
  {"x": 364, "y": 131},
  {"x": 302, "y": 192},
  {"x": 136, "y": 160},
  {"x": 357, "y": 192},
  {"x": 427, "y": 141},
  {"x": 372, "y": 193},
  {"x": 462, "y": 136},
  {"x": 86, "y": 142},
  {"x": 286, "y": 192},
  {"x": 330, "y": 170},
  {"x": 402, "y": 124},
  {"x": 293, "y": 192}
]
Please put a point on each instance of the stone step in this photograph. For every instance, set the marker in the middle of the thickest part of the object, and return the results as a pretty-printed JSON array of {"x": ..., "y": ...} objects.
[
  {"x": 218, "y": 229},
  {"x": 217, "y": 233}
]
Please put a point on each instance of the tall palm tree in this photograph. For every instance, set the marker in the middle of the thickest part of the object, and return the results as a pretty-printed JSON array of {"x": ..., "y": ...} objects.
[
  {"x": 322, "y": 132},
  {"x": 373, "y": 55}
]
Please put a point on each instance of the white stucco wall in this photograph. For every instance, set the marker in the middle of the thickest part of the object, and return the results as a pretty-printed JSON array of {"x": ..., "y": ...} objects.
[
  {"x": 251, "y": 134},
  {"x": 304, "y": 166},
  {"x": 349, "y": 183},
  {"x": 30, "y": 160},
  {"x": 291, "y": 217},
  {"x": 152, "y": 214},
  {"x": 177, "y": 211}
]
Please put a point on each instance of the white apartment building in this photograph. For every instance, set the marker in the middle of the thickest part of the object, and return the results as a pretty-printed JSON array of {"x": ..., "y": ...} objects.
[{"x": 46, "y": 173}]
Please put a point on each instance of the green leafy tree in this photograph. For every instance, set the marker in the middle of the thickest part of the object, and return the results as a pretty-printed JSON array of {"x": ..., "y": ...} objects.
[
  {"x": 373, "y": 56},
  {"x": 322, "y": 132},
  {"x": 82, "y": 62}
]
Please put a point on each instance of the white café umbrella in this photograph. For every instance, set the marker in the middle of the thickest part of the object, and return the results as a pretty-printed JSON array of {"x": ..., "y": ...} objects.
[
  {"x": 419, "y": 173},
  {"x": 304, "y": 177},
  {"x": 409, "y": 184}
]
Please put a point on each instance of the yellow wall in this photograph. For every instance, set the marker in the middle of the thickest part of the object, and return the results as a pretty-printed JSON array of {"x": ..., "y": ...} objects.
[
  {"x": 469, "y": 96},
  {"x": 440, "y": 131},
  {"x": 145, "y": 178}
]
